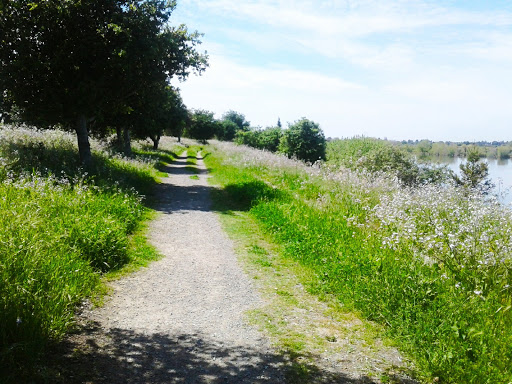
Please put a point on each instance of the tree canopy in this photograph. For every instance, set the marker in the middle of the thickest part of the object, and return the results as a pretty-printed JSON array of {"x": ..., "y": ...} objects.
[
  {"x": 70, "y": 62},
  {"x": 202, "y": 125},
  {"x": 237, "y": 118}
]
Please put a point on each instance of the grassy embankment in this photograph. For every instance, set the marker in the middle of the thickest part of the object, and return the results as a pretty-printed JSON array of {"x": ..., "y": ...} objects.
[
  {"x": 62, "y": 231},
  {"x": 430, "y": 263}
]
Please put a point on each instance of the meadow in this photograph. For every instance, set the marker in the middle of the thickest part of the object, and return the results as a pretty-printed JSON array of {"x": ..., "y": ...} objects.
[
  {"x": 63, "y": 231},
  {"x": 429, "y": 261}
]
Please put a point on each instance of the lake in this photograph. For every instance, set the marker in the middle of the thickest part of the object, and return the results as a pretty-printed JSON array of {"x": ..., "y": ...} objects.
[{"x": 500, "y": 172}]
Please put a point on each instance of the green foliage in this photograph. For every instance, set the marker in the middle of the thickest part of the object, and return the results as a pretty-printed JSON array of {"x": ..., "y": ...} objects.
[
  {"x": 238, "y": 119},
  {"x": 249, "y": 138},
  {"x": 381, "y": 156},
  {"x": 270, "y": 138},
  {"x": 474, "y": 173},
  {"x": 202, "y": 126},
  {"x": 69, "y": 62},
  {"x": 58, "y": 235},
  {"x": 227, "y": 130},
  {"x": 304, "y": 140},
  {"x": 414, "y": 259}
]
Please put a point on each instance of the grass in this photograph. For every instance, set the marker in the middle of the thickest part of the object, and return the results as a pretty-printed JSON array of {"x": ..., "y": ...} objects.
[
  {"x": 431, "y": 265},
  {"x": 62, "y": 232},
  {"x": 306, "y": 330}
]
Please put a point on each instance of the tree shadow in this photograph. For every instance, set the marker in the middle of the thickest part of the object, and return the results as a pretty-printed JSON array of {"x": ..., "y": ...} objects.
[{"x": 125, "y": 356}]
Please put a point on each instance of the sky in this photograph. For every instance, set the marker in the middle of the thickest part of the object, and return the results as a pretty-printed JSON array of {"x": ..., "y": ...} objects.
[{"x": 395, "y": 69}]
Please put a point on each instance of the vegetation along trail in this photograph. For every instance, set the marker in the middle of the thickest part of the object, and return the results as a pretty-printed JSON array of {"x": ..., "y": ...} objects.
[{"x": 186, "y": 318}]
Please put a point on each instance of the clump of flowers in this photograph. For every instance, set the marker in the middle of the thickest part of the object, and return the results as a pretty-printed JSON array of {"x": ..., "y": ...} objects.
[{"x": 468, "y": 234}]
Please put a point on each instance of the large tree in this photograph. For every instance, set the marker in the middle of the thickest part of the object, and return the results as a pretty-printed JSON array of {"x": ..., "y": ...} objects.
[
  {"x": 70, "y": 62},
  {"x": 202, "y": 125}
]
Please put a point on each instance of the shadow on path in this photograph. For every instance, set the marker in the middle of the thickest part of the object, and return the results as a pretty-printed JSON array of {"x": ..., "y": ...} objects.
[{"x": 123, "y": 356}]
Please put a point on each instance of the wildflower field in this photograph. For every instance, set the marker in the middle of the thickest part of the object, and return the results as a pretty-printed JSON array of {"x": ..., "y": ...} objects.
[
  {"x": 432, "y": 263},
  {"x": 61, "y": 230}
]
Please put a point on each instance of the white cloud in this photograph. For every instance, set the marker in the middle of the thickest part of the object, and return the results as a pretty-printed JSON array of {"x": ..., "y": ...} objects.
[{"x": 407, "y": 69}]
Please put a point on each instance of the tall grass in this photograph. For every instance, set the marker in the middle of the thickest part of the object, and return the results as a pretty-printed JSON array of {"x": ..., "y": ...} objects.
[
  {"x": 61, "y": 229},
  {"x": 432, "y": 264}
]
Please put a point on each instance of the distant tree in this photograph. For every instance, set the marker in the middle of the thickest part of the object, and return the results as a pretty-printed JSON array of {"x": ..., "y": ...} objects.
[
  {"x": 424, "y": 148},
  {"x": 250, "y": 138},
  {"x": 238, "y": 119},
  {"x": 270, "y": 138},
  {"x": 161, "y": 111},
  {"x": 227, "y": 130},
  {"x": 304, "y": 140},
  {"x": 70, "y": 62},
  {"x": 279, "y": 125},
  {"x": 202, "y": 125},
  {"x": 474, "y": 173}
]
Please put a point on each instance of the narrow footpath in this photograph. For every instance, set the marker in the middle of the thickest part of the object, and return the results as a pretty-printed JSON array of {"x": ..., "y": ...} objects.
[{"x": 181, "y": 320}]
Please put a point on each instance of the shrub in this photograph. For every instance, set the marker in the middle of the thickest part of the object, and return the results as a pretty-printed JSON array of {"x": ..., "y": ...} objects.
[{"x": 304, "y": 140}]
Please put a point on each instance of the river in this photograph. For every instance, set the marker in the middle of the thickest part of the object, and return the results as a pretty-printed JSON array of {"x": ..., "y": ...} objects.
[{"x": 500, "y": 172}]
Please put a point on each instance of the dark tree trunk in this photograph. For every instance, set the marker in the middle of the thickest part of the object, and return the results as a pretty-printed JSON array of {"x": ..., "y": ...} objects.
[
  {"x": 127, "y": 148},
  {"x": 119, "y": 134},
  {"x": 84, "y": 148},
  {"x": 179, "y": 139},
  {"x": 156, "y": 141}
]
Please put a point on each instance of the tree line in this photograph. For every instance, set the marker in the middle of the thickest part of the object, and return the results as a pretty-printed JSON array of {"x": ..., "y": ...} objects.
[
  {"x": 303, "y": 140},
  {"x": 96, "y": 67}
]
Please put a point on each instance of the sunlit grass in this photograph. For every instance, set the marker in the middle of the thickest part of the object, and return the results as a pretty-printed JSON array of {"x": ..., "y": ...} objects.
[
  {"x": 431, "y": 265},
  {"x": 61, "y": 231}
]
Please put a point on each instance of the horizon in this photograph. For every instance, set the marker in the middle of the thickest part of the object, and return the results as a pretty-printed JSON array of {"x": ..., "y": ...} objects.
[{"x": 403, "y": 70}]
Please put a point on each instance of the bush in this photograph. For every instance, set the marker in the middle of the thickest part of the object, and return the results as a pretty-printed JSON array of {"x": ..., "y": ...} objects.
[{"x": 304, "y": 140}]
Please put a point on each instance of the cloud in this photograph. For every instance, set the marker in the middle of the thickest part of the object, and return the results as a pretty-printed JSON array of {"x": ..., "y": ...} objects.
[{"x": 401, "y": 69}]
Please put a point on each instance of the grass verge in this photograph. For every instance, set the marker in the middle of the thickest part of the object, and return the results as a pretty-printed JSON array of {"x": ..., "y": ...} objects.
[
  {"x": 62, "y": 232},
  {"x": 417, "y": 261},
  {"x": 321, "y": 341}
]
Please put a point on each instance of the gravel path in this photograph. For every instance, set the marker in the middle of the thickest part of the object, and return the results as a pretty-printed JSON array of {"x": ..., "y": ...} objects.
[{"x": 182, "y": 319}]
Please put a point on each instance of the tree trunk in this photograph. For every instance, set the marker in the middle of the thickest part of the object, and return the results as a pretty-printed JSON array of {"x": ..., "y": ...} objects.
[
  {"x": 84, "y": 148},
  {"x": 179, "y": 139},
  {"x": 156, "y": 140},
  {"x": 127, "y": 148},
  {"x": 119, "y": 134}
]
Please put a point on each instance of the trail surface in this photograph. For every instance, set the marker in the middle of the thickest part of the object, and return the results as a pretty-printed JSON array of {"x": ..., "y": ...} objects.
[{"x": 182, "y": 319}]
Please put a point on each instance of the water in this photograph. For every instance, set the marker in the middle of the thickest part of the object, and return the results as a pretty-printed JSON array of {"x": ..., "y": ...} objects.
[{"x": 500, "y": 172}]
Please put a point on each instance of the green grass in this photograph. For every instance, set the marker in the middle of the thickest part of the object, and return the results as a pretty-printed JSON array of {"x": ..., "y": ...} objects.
[
  {"x": 455, "y": 335},
  {"x": 304, "y": 329},
  {"x": 62, "y": 232}
]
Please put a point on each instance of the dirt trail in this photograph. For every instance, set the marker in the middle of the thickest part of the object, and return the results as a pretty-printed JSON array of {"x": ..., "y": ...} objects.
[{"x": 182, "y": 319}]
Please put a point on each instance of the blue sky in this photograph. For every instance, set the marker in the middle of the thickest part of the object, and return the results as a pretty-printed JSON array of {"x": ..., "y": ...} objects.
[{"x": 395, "y": 69}]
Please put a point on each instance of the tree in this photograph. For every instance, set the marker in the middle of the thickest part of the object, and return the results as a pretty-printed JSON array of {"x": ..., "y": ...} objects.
[
  {"x": 202, "y": 125},
  {"x": 474, "y": 173},
  {"x": 238, "y": 119},
  {"x": 227, "y": 130},
  {"x": 71, "y": 62},
  {"x": 160, "y": 111},
  {"x": 270, "y": 138},
  {"x": 304, "y": 140}
]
